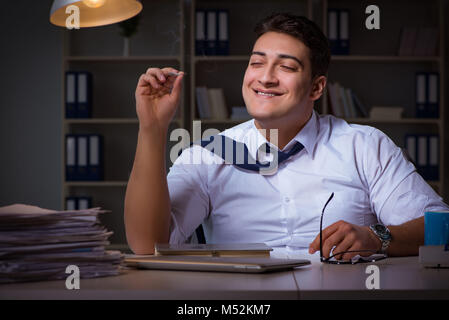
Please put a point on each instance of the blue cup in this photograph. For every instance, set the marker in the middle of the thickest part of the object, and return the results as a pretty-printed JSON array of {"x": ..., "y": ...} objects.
[{"x": 436, "y": 228}]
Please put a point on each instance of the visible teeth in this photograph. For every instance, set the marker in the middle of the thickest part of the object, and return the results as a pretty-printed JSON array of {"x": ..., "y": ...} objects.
[{"x": 266, "y": 94}]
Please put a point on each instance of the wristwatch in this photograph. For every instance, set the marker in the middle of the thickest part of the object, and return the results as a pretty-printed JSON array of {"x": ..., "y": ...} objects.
[{"x": 384, "y": 235}]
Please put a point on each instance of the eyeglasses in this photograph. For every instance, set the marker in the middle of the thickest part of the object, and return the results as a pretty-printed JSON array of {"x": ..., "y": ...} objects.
[{"x": 357, "y": 259}]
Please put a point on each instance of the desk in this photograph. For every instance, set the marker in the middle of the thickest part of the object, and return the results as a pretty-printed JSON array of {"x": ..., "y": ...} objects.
[{"x": 401, "y": 278}]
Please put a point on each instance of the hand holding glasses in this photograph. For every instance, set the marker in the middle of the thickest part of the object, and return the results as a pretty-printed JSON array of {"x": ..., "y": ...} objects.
[{"x": 375, "y": 256}]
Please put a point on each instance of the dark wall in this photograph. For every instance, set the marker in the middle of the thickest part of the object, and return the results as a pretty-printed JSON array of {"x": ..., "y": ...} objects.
[{"x": 30, "y": 105}]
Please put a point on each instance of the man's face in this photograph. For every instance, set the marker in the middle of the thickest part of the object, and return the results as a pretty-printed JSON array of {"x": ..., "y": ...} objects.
[{"x": 277, "y": 83}]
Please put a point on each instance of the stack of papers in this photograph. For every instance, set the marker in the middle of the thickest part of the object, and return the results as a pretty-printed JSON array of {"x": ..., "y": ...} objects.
[{"x": 39, "y": 244}]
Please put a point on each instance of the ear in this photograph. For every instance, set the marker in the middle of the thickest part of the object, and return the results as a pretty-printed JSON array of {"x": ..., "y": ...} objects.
[{"x": 319, "y": 83}]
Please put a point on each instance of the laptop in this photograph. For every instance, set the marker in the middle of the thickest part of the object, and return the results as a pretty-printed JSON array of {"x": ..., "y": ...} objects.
[
  {"x": 218, "y": 264},
  {"x": 215, "y": 250}
]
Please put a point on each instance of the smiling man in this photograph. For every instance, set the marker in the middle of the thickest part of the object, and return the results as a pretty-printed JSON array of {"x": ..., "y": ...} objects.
[{"x": 379, "y": 198}]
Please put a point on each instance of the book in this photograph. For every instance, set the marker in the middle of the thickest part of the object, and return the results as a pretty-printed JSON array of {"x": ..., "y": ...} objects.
[
  {"x": 341, "y": 109},
  {"x": 418, "y": 41},
  {"x": 426, "y": 42},
  {"x": 240, "y": 113},
  {"x": 217, "y": 103},
  {"x": 213, "y": 250},
  {"x": 358, "y": 104},
  {"x": 407, "y": 41},
  {"x": 352, "y": 109},
  {"x": 386, "y": 112},
  {"x": 202, "y": 102},
  {"x": 335, "y": 103},
  {"x": 343, "y": 100}
]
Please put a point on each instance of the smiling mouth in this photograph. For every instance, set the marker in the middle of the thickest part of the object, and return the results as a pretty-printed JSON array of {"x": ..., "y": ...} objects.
[{"x": 268, "y": 94}]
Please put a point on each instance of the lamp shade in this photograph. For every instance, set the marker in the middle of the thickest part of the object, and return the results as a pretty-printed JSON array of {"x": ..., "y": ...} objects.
[{"x": 112, "y": 11}]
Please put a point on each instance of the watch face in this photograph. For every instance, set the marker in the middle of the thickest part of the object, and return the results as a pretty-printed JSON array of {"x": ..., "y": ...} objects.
[
  {"x": 382, "y": 231},
  {"x": 379, "y": 228}
]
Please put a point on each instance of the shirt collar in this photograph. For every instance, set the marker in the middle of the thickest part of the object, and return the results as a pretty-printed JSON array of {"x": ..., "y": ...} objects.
[{"x": 307, "y": 136}]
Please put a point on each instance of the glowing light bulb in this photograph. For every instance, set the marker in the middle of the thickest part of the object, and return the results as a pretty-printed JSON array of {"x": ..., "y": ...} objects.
[{"x": 94, "y": 3}]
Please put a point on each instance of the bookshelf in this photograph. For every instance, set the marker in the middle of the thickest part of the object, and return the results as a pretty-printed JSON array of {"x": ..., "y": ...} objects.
[
  {"x": 99, "y": 51},
  {"x": 370, "y": 69}
]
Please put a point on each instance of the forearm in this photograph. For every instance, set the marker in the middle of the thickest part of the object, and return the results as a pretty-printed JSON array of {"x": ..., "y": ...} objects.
[
  {"x": 147, "y": 201},
  {"x": 406, "y": 238}
]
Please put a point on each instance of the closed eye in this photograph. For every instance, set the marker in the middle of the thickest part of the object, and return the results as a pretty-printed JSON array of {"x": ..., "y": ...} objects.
[{"x": 289, "y": 68}]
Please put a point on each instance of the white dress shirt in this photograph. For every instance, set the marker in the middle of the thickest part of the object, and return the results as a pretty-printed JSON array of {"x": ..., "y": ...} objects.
[{"x": 372, "y": 181}]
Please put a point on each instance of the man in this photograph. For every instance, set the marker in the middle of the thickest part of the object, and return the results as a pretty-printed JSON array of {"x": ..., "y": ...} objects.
[{"x": 371, "y": 180}]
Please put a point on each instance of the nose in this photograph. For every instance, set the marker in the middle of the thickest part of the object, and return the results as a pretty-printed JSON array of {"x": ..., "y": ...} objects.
[{"x": 268, "y": 77}]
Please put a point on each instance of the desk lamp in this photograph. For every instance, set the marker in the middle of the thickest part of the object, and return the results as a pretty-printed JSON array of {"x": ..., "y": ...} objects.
[{"x": 95, "y": 13}]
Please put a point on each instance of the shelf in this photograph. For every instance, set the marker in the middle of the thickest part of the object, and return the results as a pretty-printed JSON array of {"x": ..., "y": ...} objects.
[
  {"x": 385, "y": 58},
  {"x": 95, "y": 183},
  {"x": 121, "y": 58}
]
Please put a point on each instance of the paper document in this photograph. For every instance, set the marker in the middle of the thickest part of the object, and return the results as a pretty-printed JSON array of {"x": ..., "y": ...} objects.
[{"x": 39, "y": 244}]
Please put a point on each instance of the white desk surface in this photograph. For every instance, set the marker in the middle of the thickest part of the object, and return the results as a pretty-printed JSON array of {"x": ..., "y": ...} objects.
[{"x": 399, "y": 278}]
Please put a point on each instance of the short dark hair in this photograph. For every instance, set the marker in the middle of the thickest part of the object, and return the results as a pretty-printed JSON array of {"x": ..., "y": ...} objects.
[{"x": 304, "y": 30}]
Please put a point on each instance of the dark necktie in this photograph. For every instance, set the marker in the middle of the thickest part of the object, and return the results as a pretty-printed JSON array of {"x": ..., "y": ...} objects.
[{"x": 237, "y": 154}]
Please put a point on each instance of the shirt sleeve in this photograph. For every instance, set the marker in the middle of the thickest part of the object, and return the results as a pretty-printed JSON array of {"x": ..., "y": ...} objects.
[
  {"x": 189, "y": 199},
  {"x": 397, "y": 192}
]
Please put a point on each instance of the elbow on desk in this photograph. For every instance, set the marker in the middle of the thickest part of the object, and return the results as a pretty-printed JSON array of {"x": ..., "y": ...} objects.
[{"x": 141, "y": 248}]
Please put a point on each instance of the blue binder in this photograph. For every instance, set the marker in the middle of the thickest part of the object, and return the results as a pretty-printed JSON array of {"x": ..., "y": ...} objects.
[
  {"x": 223, "y": 32},
  {"x": 83, "y": 203},
  {"x": 211, "y": 32},
  {"x": 423, "y": 155},
  {"x": 95, "y": 163},
  {"x": 338, "y": 31},
  {"x": 332, "y": 30},
  {"x": 433, "y": 94},
  {"x": 82, "y": 150},
  {"x": 200, "y": 32},
  {"x": 427, "y": 93},
  {"x": 71, "y": 157},
  {"x": 78, "y": 203},
  {"x": 70, "y": 94},
  {"x": 71, "y": 203},
  {"x": 84, "y": 94},
  {"x": 421, "y": 94},
  {"x": 343, "y": 32},
  {"x": 434, "y": 157},
  {"x": 411, "y": 147}
]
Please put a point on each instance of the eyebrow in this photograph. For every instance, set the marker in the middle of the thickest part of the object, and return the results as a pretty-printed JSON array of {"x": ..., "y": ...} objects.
[{"x": 281, "y": 55}]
